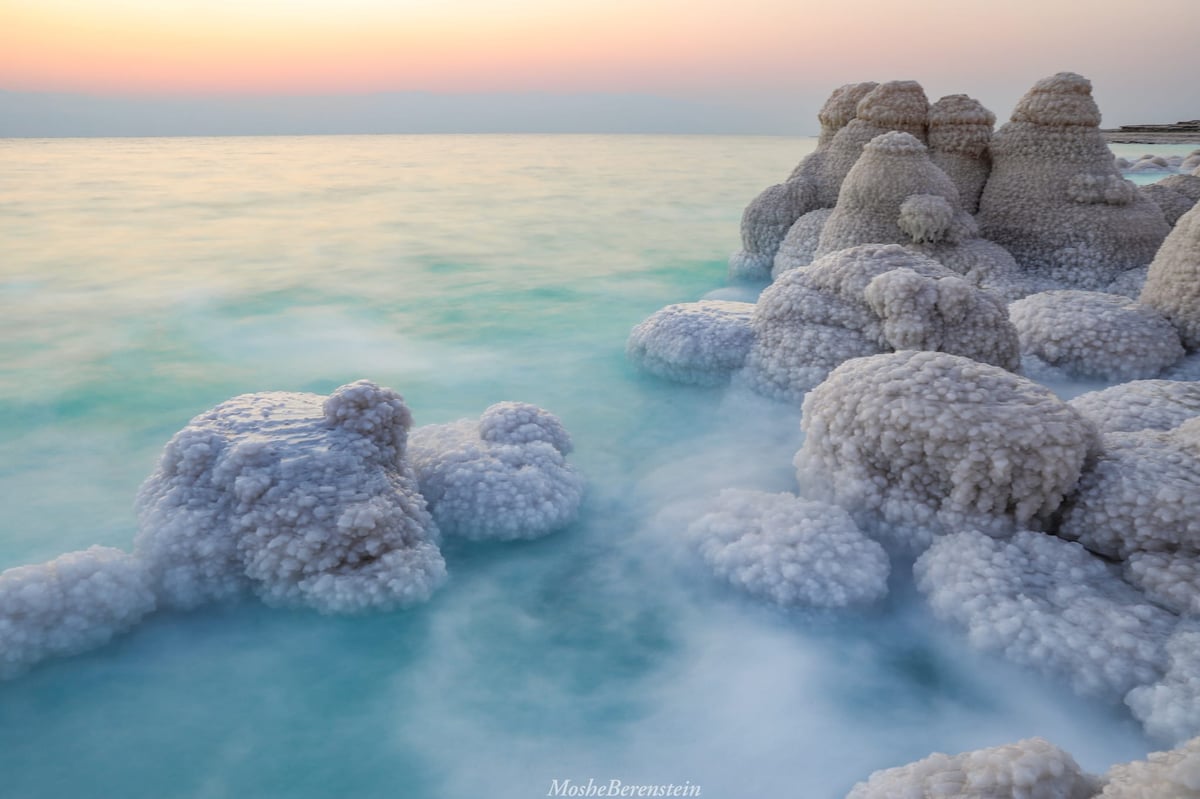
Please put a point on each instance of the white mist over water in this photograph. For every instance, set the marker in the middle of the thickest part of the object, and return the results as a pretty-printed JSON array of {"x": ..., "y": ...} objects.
[{"x": 145, "y": 280}]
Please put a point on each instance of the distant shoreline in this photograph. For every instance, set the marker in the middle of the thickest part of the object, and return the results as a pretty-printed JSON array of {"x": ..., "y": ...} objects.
[{"x": 1140, "y": 137}]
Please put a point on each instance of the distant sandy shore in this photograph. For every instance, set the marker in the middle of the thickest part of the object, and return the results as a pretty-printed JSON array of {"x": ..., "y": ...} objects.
[{"x": 1127, "y": 137}]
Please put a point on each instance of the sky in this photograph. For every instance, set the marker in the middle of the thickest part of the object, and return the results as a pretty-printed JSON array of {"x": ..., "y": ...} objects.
[{"x": 120, "y": 67}]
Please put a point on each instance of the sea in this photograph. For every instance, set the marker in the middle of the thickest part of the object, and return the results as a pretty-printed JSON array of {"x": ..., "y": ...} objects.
[{"x": 143, "y": 281}]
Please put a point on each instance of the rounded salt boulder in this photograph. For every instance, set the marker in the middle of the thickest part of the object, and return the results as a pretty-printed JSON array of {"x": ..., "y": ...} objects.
[
  {"x": 1030, "y": 769},
  {"x": 922, "y": 443},
  {"x": 1174, "y": 774},
  {"x": 696, "y": 342},
  {"x": 1140, "y": 405},
  {"x": 74, "y": 603},
  {"x": 862, "y": 301},
  {"x": 791, "y": 551},
  {"x": 799, "y": 246},
  {"x": 1173, "y": 282},
  {"x": 1048, "y": 604},
  {"x": 301, "y": 499},
  {"x": 1095, "y": 334},
  {"x": 1170, "y": 708},
  {"x": 502, "y": 477},
  {"x": 1142, "y": 492}
]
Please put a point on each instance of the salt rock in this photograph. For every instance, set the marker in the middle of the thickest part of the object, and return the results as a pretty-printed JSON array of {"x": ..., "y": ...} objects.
[
  {"x": 1030, "y": 769},
  {"x": 1095, "y": 334},
  {"x": 1140, "y": 405},
  {"x": 1174, "y": 774},
  {"x": 863, "y": 301},
  {"x": 1173, "y": 282},
  {"x": 960, "y": 130},
  {"x": 1141, "y": 493},
  {"x": 790, "y": 551},
  {"x": 1055, "y": 198},
  {"x": 916, "y": 444},
  {"x": 697, "y": 342},
  {"x": 76, "y": 602},
  {"x": 501, "y": 477},
  {"x": 1048, "y": 604},
  {"x": 298, "y": 498}
]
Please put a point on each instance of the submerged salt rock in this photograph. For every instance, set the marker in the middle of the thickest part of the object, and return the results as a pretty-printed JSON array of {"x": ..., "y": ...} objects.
[
  {"x": 1173, "y": 283},
  {"x": 501, "y": 477},
  {"x": 1142, "y": 492},
  {"x": 771, "y": 214},
  {"x": 302, "y": 499},
  {"x": 696, "y": 342},
  {"x": 1049, "y": 604},
  {"x": 1140, "y": 405},
  {"x": 960, "y": 130},
  {"x": 1174, "y": 774},
  {"x": 1170, "y": 708},
  {"x": 922, "y": 443},
  {"x": 1094, "y": 334},
  {"x": 1030, "y": 769},
  {"x": 74, "y": 603},
  {"x": 791, "y": 551},
  {"x": 1055, "y": 198}
]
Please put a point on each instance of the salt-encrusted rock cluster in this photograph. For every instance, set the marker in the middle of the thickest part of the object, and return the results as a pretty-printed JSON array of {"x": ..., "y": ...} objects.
[
  {"x": 1036, "y": 769},
  {"x": 301, "y": 500},
  {"x": 1173, "y": 281}
]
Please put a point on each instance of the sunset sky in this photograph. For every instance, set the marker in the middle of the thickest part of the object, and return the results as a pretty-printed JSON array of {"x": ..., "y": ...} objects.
[{"x": 771, "y": 60}]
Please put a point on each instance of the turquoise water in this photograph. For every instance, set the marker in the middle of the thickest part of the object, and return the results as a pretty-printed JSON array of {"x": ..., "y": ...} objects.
[{"x": 144, "y": 280}]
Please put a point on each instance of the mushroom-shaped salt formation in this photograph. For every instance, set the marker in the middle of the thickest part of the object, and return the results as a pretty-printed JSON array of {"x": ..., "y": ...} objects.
[
  {"x": 302, "y": 499},
  {"x": 922, "y": 443},
  {"x": 896, "y": 194},
  {"x": 791, "y": 551},
  {"x": 1030, "y": 769},
  {"x": 960, "y": 129},
  {"x": 1094, "y": 334},
  {"x": 501, "y": 477},
  {"x": 866, "y": 300},
  {"x": 1055, "y": 198},
  {"x": 767, "y": 218},
  {"x": 71, "y": 604},
  {"x": 1174, "y": 774},
  {"x": 1170, "y": 708},
  {"x": 697, "y": 342},
  {"x": 1048, "y": 604},
  {"x": 815, "y": 183},
  {"x": 1141, "y": 493},
  {"x": 1173, "y": 282},
  {"x": 1140, "y": 405}
]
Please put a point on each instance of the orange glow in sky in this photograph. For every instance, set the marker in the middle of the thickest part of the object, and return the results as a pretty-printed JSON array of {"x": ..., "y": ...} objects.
[{"x": 328, "y": 46}]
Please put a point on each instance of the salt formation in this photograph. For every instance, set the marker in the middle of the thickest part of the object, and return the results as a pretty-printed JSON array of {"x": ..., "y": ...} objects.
[
  {"x": 1030, "y": 769},
  {"x": 799, "y": 247},
  {"x": 1162, "y": 775},
  {"x": 895, "y": 194},
  {"x": 1049, "y": 604},
  {"x": 1095, "y": 334},
  {"x": 501, "y": 477},
  {"x": 930, "y": 443},
  {"x": 1174, "y": 195},
  {"x": 302, "y": 499},
  {"x": 815, "y": 183},
  {"x": 74, "y": 603},
  {"x": 1172, "y": 579},
  {"x": 1055, "y": 198},
  {"x": 1170, "y": 708},
  {"x": 696, "y": 342},
  {"x": 1173, "y": 282},
  {"x": 960, "y": 130},
  {"x": 791, "y": 551},
  {"x": 1140, "y": 405},
  {"x": 767, "y": 218},
  {"x": 1141, "y": 494},
  {"x": 863, "y": 301}
]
